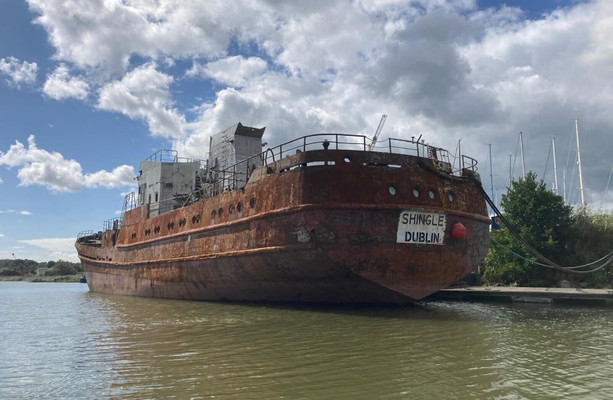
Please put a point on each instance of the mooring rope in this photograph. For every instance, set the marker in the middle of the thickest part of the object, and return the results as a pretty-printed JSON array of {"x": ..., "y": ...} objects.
[
  {"x": 547, "y": 262},
  {"x": 539, "y": 255},
  {"x": 508, "y": 250}
]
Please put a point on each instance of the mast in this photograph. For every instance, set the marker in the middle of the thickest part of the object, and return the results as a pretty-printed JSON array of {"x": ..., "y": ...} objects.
[
  {"x": 579, "y": 163},
  {"x": 492, "y": 176},
  {"x": 555, "y": 167},
  {"x": 523, "y": 162},
  {"x": 460, "y": 166},
  {"x": 510, "y": 170}
]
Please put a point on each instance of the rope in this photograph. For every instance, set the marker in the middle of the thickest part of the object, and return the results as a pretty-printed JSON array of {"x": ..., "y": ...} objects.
[
  {"x": 534, "y": 251},
  {"x": 547, "y": 262},
  {"x": 507, "y": 249}
]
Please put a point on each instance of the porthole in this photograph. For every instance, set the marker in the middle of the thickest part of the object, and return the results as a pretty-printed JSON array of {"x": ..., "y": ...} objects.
[
  {"x": 231, "y": 209},
  {"x": 213, "y": 214},
  {"x": 347, "y": 159},
  {"x": 431, "y": 194},
  {"x": 220, "y": 212},
  {"x": 252, "y": 203},
  {"x": 239, "y": 207},
  {"x": 450, "y": 196},
  {"x": 392, "y": 190},
  {"x": 416, "y": 192}
]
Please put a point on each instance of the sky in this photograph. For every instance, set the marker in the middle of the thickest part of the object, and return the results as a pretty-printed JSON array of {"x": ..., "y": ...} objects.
[{"x": 89, "y": 88}]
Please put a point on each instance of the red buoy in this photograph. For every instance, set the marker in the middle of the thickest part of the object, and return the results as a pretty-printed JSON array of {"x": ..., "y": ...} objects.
[{"x": 458, "y": 231}]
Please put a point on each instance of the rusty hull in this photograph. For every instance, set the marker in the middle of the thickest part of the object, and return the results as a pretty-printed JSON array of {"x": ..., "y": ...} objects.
[{"x": 318, "y": 226}]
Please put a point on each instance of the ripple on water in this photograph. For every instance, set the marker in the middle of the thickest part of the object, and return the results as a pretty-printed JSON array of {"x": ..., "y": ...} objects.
[{"x": 60, "y": 341}]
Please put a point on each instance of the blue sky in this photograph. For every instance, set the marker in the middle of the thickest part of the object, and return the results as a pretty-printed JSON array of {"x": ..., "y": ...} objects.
[{"x": 88, "y": 89}]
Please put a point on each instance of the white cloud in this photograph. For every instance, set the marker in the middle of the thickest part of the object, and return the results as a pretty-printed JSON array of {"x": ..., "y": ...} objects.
[
  {"x": 2, "y": 235},
  {"x": 60, "y": 85},
  {"x": 18, "y": 72},
  {"x": 10, "y": 211},
  {"x": 144, "y": 94},
  {"x": 40, "y": 167},
  {"x": 234, "y": 71},
  {"x": 105, "y": 34},
  {"x": 442, "y": 68},
  {"x": 54, "y": 249}
]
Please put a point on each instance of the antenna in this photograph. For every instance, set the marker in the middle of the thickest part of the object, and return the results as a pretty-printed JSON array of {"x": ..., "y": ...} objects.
[{"x": 377, "y": 132}]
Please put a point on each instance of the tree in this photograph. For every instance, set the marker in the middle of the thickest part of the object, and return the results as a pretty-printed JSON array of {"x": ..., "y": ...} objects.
[
  {"x": 591, "y": 239},
  {"x": 543, "y": 220},
  {"x": 62, "y": 267}
]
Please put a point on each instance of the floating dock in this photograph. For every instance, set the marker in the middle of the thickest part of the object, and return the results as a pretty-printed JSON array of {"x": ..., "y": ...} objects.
[{"x": 526, "y": 294}]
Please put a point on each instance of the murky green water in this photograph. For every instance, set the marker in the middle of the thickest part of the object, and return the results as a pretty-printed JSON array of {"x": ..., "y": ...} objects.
[{"x": 60, "y": 341}]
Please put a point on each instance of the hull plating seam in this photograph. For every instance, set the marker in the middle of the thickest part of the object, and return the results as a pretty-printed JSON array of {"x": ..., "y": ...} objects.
[
  {"x": 280, "y": 249},
  {"x": 290, "y": 210}
]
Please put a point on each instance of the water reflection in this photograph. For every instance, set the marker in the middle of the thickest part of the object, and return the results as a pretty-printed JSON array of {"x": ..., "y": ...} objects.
[{"x": 61, "y": 341}]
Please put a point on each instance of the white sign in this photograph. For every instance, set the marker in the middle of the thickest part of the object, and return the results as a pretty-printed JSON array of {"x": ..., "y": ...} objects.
[{"x": 421, "y": 227}]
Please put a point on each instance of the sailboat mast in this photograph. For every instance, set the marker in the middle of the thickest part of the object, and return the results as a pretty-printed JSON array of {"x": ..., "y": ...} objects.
[
  {"x": 521, "y": 147},
  {"x": 579, "y": 162},
  {"x": 510, "y": 171},
  {"x": 460, "y": 164},
  {"x": 555, "y": 166},
  {"x": 492, "y": 176}
]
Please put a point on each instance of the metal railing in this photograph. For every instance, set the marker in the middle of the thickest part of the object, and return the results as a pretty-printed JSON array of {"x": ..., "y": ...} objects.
[
  {"x": 113, "y": 223},
  {"x": 237, "y": 175},
  {"x": 85, "y": 234},
  {"x": 169, "y": 156}
]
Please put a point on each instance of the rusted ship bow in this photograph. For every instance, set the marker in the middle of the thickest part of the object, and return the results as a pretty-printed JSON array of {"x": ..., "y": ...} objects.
[{"x": 323, "y": 218}]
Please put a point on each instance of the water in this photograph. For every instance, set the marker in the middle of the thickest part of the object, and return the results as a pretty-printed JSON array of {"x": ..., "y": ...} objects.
[{"x": 59, "y": 341}]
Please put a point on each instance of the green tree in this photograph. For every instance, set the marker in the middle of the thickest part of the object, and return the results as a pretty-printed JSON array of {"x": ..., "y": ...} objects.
[
  {"x": 543, "y": 220},
  {"x": 591, "y": 239},
  {"x": 62, "y": 267}
]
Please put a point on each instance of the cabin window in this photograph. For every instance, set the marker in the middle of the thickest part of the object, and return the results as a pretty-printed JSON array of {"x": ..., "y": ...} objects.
[
  {"x": 220, "y": 212},
  {"x": 392, "y": 190},
  {"x": 213, "y": 214},
  {"x": 416, "y": 192},
  {"x": 450, "y": 196},
  {"x": 150, "y": 199},
  {"x": 231, "y": 209},
  {"x": 156, "y": 197},
  {"x": 239, "y": 207},
  {"x": 431, "y": 194},
  {"x": 252, "y": 203}
]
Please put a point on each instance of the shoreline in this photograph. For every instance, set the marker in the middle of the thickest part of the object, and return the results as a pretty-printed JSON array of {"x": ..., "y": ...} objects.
[{"x": 42, "y": 278}]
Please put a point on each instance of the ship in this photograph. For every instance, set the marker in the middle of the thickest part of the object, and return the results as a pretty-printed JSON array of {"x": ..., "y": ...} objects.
[{"x": 323, "y": 218}]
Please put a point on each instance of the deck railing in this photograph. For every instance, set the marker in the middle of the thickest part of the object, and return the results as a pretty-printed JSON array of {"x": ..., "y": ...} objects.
[{"x": 237, "y": 175}]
